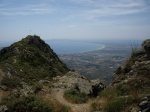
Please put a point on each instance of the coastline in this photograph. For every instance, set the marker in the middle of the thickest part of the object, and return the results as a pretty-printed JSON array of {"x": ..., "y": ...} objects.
[
  {"x": 94, "y": 50},
  {"x": 103, "y": 46},
  {"x": 73, "y": 47}
]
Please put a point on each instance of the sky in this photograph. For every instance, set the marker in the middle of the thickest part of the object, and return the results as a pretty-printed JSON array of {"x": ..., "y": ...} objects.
[{"x": 75, "y": 19}]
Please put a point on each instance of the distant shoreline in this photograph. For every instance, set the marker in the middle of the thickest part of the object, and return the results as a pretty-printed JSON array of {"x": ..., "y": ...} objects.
[
  {"x": 93, "y": 50},
  {"x": 71, "y": 47}
]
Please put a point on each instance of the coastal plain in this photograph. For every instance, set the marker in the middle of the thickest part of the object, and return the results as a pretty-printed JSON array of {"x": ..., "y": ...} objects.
[{"x": 100, "y": 63}]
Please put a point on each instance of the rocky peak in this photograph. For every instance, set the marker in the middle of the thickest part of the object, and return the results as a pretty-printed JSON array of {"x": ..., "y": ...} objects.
[
  {"x": 36, "y": 41},
  {"x": 142, "y": 54},
  {"x": 146, "y": 45},
  {"x": 30, "y": 59},
  {"x": 136, "y": 70}
]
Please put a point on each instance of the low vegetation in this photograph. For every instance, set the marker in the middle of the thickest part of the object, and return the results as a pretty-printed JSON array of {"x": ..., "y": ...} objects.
[
  {"x": 29, "y": 103},
  {"x": 65, "y": 109},
  {"x": 29, "y": 60},
  {"x": 11, "y": 82},
  {"x": 37, "y": 87},
  {"x": 75, "y": 96},
  {"x": 117, "y": 99}
]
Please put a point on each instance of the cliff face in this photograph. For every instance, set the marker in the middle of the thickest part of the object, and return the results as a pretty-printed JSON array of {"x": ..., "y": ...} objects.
[{"x": 29, "y": 60}]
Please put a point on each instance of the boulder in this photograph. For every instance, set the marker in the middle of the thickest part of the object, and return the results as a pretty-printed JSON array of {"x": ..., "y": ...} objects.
[
  {"x": 3, "y": 108},
  {"x": 97, "y": 86},
  {"x": 74, "y": 80},
  {"x": 4, "y": 88},
  {"x": 146, "y": 45},
  {"x": 145, "y": 104}
]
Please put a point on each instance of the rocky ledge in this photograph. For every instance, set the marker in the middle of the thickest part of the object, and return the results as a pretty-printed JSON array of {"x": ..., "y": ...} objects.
[{"x": 74, "y": 80}]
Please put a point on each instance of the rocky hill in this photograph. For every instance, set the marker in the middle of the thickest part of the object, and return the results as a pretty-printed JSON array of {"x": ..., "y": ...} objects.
[
  {"x": 31, "y": 73},
  {"x": 133, "y": 78},
  {"x": 136, "y": 70},
  {"x": 28, "y": 61},
  {"x": 130, "y": 89},
  {"x": 34, "y": 79}
]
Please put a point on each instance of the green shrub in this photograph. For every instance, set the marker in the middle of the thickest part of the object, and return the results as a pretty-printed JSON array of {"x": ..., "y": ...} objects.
[
  {"x": 123, "y": 89},
  {"x": 119, "y": 104},
  {"x": 26, "y": 104},
  {"x": 12, "y": 82},
  {"x": 109, "y": 93},
  {"x": 37, "y": 87},
  {"x": 95, "y": 106},
  {"x": 65, "y": 109},
  {"x": 75, "y": 96},
  {"x": 115, "y": 105}
]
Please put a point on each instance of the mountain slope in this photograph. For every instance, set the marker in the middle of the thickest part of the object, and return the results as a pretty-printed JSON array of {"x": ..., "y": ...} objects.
[
  {"x": 136, "y": 70},
  {"x": 29, "y": 60},
  {"x": 131, "y": 84}
]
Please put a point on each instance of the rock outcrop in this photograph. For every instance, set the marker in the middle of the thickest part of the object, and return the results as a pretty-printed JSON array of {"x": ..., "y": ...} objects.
[
  {"x": 74, "y": 80},
  {"x": 138, "y": 65},
  {"x": 145, "y": 104},
  {"x": 133, "y": 78}
]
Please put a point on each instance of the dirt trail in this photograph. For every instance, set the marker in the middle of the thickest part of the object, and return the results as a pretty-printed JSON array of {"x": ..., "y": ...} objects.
[{"x": 58, "y": 93}]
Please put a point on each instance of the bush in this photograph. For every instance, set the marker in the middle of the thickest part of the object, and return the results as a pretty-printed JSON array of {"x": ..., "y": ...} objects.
[
  {"x": 26, "y": 104},
  {"x": 95, "y": 106},
  {"x": 119, "y": 104},
  {"x": 123, "y": 89},
  {"x": 65, "y": 109},
  {"x": 10, "y": 82},
  {"x": 37, "y": 87},
  {"x": 115, "y": 105},
  {"x": 75, "y": 96},
  {"x": 109, "y": 93}
]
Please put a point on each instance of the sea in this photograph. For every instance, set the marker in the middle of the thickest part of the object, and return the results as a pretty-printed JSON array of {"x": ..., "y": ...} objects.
[
  {"x": 66, "y": 46},
  {"x": 70, "y": 47}
]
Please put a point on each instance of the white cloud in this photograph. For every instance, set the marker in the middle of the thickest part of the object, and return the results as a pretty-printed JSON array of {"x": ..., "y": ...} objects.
[
  {"x": 92, "y": 10},
  {"x": 27, "y": 10},
  {"x": 78, "y": 9}
]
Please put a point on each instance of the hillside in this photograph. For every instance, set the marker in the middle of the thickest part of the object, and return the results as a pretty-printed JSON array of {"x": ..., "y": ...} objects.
[
  {"x": 29, "y": 60},
  {"x": 136, "y": 70},
  {"x": 130, "y": 89},
  {"x": 34, "y": 79}
]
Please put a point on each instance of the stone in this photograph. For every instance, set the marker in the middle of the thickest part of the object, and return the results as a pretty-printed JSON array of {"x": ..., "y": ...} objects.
[
  {"x": 26, "y": 90},
  {"x": 74, "y": 80},
  {"x": 4, "y": 88},
  {"x": 44, "y": 81},
  {"x": 3, "y": 108},
  {"x": 145, "y": 104},
  {"x": 97, "y": 86},
  {"x": 146, "y": 45}
]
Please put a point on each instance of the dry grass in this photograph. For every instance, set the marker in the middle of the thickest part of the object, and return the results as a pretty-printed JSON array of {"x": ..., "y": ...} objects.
[
  {"x": 49, "y": 98},
  {"x": 3, "y": 94}
]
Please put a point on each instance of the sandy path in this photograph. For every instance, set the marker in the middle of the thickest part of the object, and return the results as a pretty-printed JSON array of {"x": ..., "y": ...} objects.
[{"x": 58, "y": 93}]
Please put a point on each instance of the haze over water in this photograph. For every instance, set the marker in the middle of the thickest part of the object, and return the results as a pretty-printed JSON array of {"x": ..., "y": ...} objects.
[{"x": 69, "y": 47}]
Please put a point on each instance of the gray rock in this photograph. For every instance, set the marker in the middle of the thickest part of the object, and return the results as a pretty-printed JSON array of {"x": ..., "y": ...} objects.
[
  {"x": 76, "y": 81},
  {"x": 4, "y": 88},
  {"x": 44, "y": 82},
  {"x": 146, "y": 45},
  {"x": 97, "y": 86},
  {"x": 145, "y": 104},
  {"x": 26, "y": 90},
  {"x": 3, "y": 108}
]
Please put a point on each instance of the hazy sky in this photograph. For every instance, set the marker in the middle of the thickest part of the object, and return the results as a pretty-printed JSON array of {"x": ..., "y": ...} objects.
[{"x": 75, "y": 19}]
